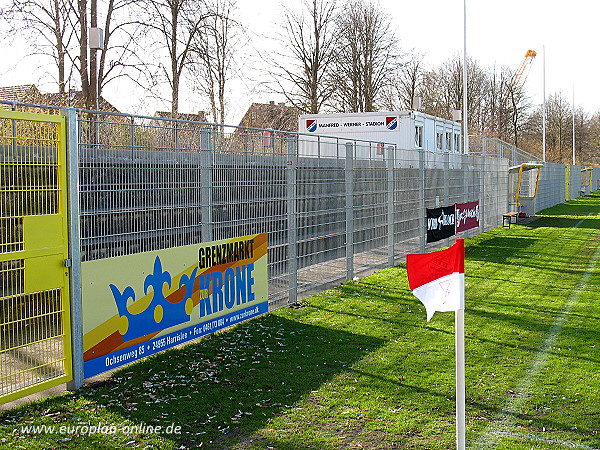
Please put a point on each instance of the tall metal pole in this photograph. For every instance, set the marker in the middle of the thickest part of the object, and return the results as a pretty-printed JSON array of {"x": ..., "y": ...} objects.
[
  {"x": 573, "y": 124},
  {"x": 459, "y": 315},
  {"x": 465, "y": 96},
  {"x": 544, "y": 104}
]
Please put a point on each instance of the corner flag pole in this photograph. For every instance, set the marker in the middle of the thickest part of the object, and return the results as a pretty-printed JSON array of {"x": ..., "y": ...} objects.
[
  {"x": 437, "y": 279},
  {"x": 459, "y": 337}
]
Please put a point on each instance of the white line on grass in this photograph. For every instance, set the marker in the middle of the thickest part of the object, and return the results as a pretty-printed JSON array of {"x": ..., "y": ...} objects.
[
  {"x": 515, "y": 405},
  {"x": 536, "y": 438}
]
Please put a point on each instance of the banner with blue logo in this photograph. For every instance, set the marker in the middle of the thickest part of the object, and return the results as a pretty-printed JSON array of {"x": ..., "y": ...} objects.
[{"x": 137, "y": 305}]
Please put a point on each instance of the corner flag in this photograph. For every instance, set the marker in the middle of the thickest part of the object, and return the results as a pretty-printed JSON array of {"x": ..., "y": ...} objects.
[{"x": 438, "y": 278}]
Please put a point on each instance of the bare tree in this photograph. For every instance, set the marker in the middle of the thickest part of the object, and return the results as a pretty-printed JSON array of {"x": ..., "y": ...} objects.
[
  {"x": 442, "y": 88},
  {"x": 300, "y": 69},
  {"x": 558, "y": 128},
  {"x": 443, "y": 91},
  {"x": 214, "y": 52},
  {"x": 504, "y": 106},
  {"x": 119, "y": 56},
  {"x": 123, "y": 54},
  {"x": 406, "y": 84},
  {"x": 176, "y": 25},
  {"x": 368, "y": 59},
  {"x": 519, "y": 107},
  {"x": 410, "y": 81},
  {"x": 59, "y": 29},
  {"x": 590, "y": 147},
  {"x": 48, "y": 26},
  {"x": 82, "y": 20}
]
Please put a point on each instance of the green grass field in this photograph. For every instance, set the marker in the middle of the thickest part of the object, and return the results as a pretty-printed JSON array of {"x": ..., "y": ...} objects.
[{"x": 358, "y": 366}]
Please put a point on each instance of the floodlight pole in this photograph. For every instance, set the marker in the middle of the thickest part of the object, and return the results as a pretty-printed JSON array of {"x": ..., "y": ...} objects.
[
  {"x": 465, "y": 96},
  {"x": 544, "y": 104},
  {"x": 573, "y": 124}
]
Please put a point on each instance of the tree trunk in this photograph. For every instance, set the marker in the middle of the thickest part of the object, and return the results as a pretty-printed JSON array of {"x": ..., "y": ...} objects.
[
  {"x": 83, "y": 51},
  {"x": 174, "y": 66},
  {"x": 93, "y": 96}
]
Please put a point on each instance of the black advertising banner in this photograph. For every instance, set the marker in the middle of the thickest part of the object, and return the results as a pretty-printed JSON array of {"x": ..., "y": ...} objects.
[{"x": 440, "y": 223}]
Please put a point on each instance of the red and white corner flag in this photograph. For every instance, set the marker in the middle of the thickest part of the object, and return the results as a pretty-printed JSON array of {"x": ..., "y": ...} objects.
[{"x": 438, "y": 278}]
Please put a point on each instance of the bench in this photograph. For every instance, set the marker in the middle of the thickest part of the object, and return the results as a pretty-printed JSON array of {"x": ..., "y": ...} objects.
[{"x": 508, "y": 218}]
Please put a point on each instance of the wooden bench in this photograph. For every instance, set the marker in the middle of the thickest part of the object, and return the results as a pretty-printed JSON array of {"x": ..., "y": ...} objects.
[{"x": 508, "y": 218}]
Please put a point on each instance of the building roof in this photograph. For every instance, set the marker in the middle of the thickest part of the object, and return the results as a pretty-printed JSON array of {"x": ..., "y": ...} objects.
[
  {"x": 271, "y": 116},
  {"x": 29, "y": 93},
  {"x": 200, "y": 117},
  {"x": 19, "y": 93}
]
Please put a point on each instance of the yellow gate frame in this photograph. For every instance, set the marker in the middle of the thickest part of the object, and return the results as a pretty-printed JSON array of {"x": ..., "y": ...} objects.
[
  {"x": 523, "y": 168},
  {"x": 587, "y": 176},
  {"x": 34, "y": 290},
  {"x": 567, "y": 182}
]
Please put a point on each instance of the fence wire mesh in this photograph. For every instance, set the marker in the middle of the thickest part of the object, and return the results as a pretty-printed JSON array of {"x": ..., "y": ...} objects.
[
  {"x": 32, "y": 303},
  {"x": 334, "y": 209}
]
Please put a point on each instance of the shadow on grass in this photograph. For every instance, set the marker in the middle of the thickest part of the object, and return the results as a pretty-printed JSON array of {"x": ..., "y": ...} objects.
[
  {"x": 229, "y": 386},
  {"x": 477, "y": 409},
  {"x": 499, "y": 249},
  {"x": 563, "y": 222}
]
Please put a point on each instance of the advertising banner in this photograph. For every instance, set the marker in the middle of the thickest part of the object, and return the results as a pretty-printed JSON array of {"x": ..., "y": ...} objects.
[
  {"x": 137, "y": 305},
  {"x": 440, "y": 223},
  {"x": 467, "y": 216}
]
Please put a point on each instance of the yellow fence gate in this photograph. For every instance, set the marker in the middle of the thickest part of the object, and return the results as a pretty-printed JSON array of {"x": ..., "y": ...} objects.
[{"x": 35, "y": 340}]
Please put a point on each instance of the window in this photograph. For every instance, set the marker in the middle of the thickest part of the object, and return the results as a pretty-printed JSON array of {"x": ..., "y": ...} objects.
[
  {"x": 457, "y": 143},
  {"x": 439, "y": 139},
  {"x": 449, "y": 141},
  {"x": 269, "y": 138},
  {"x": 419, "y": 136}
]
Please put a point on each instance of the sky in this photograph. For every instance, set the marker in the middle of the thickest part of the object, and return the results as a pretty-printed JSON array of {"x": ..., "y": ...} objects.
[{"x": 499, "y": 33}]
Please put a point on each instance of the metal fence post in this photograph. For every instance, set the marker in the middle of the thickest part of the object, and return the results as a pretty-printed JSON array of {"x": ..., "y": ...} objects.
[
  {"x": 422, "y": 211},
  {"x": 72, "y": 134},
  {"x": 132, "y": 137},
  {"x": 206, "y": 182},
  {"x": 482, "y": 202},
  {"x": 349, "y": 187},
  {"x": 447, "y": 184},
  {"x": 390, "y": 206},
  {"x": 291, "y": 172}
]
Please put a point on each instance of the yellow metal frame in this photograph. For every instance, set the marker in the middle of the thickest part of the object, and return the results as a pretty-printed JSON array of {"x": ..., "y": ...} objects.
[
  {"x": 523, "y": 168},
  {"x": 587, "y": 176},
  {"x": 567, "y": 182},
  {"x": 40, "y": 247}
]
